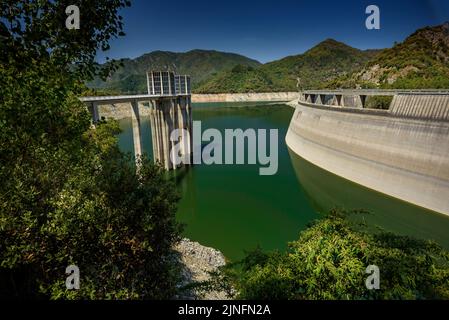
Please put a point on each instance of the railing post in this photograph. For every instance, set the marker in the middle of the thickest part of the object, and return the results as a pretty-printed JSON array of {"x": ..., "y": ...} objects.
[{"x": 363, "y": 99}]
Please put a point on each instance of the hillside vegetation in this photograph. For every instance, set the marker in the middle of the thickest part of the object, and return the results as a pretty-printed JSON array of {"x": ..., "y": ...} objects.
[
  {"x": 325, "y": 62},
  {"x": 199, "y": 64},
  {"x": 421, "y": 61}
]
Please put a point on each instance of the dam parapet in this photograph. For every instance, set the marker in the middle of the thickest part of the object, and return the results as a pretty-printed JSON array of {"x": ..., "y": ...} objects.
[
  {"x": 422, "y": 107},
  {"x": 402, "y": 151}
]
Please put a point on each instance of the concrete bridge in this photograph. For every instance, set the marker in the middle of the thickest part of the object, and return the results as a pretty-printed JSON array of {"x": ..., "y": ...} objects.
[
  {"x": 357, "y": 97},
  {"x": 169, "y": 99},
  {"x": 402, "y": 152}
]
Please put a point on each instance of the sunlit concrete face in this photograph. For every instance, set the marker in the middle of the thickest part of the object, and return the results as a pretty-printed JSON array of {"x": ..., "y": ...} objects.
[{"x": 402, "y": 152}]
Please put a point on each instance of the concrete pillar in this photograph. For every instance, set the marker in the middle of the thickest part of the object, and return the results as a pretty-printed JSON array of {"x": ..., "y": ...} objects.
[
  {"x": 172, "y": 125},
  {"x": 93, "y": 109},
  {"x": 167, "y": 127},
  {"x": 167, "y": 115},
  {"x": 190, "y": 126},
  {"x": 154, "y": 141},
  {"x": 363, "y": 100},
  {"x": 158, "y": 133},
  {"x": 323, "y": 98},
  {"x": 137, "y": 136},
  {"x": 339, "y": 99},
  {"x": 182, "y": 118}
]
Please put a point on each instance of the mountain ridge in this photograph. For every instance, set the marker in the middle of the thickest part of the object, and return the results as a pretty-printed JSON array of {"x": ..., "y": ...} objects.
[
  {"x": 420, "y": 61},
  {"x": 198, "y": 63},
  {"x": 325, "y": 61}
]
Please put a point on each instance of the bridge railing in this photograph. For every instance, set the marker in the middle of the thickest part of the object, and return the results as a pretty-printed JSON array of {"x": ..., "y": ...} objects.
[
  {"x": 357, "y": 98},
  {"x": 382, "y": 92}
]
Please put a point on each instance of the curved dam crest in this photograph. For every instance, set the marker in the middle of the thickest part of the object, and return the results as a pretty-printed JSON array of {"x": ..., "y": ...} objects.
[{"x": 402, "y": 152}]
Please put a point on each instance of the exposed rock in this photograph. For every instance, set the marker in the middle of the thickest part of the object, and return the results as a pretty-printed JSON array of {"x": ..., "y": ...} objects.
[
  {"x": 121, "y": 110},
  {"x": 198, "y": 261}
]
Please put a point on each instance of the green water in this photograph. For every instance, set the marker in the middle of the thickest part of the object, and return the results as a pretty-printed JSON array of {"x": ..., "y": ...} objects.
[{"x": 233, "y": 208}]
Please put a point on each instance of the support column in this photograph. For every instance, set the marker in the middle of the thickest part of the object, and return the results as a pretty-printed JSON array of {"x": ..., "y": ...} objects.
[
  {"x": 167, "y": 115},
  {"x": 137, "y": 136},
  {"x": 172, "y": 125},
  {"x": 93, "y": 109},
  {"x": 154, "y": 141},
  {"x": 339, "y": 99},
  {"x": 182, "y": 118},
  {"x": 363, "y": 100},
  {"x": 158, "y": 129},
  {"x": 323, "y": 98},
  {"x": 189, "y": 127},
  {"x": 165, "y": 112}
]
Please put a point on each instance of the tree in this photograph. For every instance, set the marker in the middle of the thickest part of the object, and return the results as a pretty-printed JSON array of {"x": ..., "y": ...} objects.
[{"x": 68, "y": 195}]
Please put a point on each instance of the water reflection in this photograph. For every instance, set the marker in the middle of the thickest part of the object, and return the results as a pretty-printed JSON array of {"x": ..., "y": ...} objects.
[{"x": 326, "y": 191}]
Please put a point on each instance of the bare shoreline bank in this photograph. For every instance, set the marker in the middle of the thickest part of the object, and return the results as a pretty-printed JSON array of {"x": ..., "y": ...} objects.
[
  {"x": 245, "y": 97},
  {"x": 198, "y": 262},
  {"x": 123, "y": 110}
]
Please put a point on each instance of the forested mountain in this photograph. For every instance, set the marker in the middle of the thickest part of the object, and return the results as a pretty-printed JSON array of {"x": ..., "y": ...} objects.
[
  {"x": 327, "y": 61},
  {"x": 421, "y": 61},
  {"x": 199, "y": 64}
]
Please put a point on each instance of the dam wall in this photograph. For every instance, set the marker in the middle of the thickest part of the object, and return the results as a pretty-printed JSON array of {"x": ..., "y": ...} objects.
[{"x": 402, "y": 152}]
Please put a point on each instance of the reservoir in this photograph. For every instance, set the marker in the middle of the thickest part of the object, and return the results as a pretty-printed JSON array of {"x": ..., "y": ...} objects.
[{"x": 234, "y": 209}]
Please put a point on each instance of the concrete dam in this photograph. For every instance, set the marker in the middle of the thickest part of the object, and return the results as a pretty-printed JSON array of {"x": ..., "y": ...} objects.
[{"x": 402, "y": 152}]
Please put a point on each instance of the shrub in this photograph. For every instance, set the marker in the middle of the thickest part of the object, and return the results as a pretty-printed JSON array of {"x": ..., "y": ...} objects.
[{"x": 329, "y": 260}]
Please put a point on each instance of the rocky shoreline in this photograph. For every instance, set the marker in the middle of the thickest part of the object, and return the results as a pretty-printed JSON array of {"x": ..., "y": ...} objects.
[
  {"x": 197, "y": 263},
  {"x": 245, "y": 97},
  {"x": 123, "y": 110}
]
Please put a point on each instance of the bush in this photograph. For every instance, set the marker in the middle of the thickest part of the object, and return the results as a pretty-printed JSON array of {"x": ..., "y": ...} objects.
[
  {"x": 329, "y": 260},
  {"x": 378, "y": 102}
]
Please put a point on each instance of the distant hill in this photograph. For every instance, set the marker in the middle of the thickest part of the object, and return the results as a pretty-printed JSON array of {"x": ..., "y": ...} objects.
[
  {"x": 325, "y": 62},
  {"x": 421, "y": 61},
  {"x": 199, "y": 64}
]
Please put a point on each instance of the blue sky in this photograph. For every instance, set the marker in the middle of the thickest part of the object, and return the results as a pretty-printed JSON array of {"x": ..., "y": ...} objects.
[{"x": 267, "y": 30}]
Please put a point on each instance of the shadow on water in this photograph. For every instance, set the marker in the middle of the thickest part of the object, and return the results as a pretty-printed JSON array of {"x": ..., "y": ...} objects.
[{"x": 326, "y": 191}]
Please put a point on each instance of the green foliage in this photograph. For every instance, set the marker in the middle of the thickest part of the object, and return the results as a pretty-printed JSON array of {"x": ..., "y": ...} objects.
[
  {"x": 326, "y": 61},
  {"x": 199, "y": 64},
  {"x": 420, "y": 62},
  {"x": 329, "y": 260},
  {"x": 378, "y": 102},
  {"x": 68, "y": 195},
  {"x": 239, "y": 79}
]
